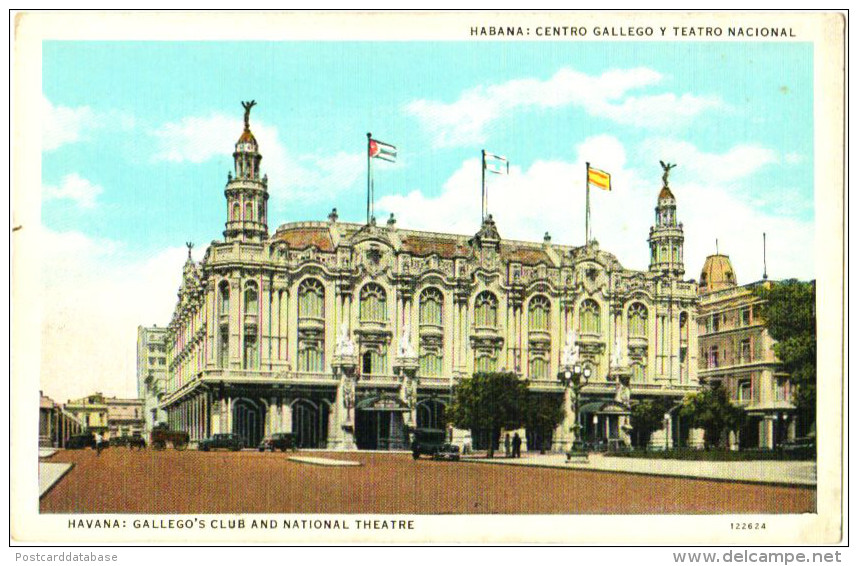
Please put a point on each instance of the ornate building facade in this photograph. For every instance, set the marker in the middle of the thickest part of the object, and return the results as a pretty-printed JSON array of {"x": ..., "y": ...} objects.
[
  {"x": 737, "y": 352},
  {"x": 348, "y": 333}
]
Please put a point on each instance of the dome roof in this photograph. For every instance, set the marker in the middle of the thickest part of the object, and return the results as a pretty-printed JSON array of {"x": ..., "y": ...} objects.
[
  {"x": 247, "y": 137},
  {"x": 665, "y": 194},
  {"x": 717, "y": 274}
]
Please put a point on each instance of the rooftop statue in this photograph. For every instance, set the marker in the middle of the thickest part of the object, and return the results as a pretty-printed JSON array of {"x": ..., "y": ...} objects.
[
  {"x": 247, "y": 106},
  {"x": 666, "y": 167}
]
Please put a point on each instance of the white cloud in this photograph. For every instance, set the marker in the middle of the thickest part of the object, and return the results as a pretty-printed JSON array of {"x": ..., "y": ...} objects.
[
  {"x": 74, "y": 188},
  {"x": 291, "y": 175},
  {"x": 550, "y": 196},
  {"x": 62, "y": 125},
  {"x": 466, "y": 120},
  {"x": 95, "y": 296},
  {"x": 737, "y": 163}
]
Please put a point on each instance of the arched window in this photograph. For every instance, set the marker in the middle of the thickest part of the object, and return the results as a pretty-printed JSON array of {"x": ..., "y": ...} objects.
[
  {"x": 236, "y": 212},
  {"x": 591, "y": 322},
  {"x": 373, "y": 303},
  {"x": 248, "y": 212},
  {"x": 637, "y": 320},
  {"x": 638, "y": 373},
  {"x": 431, "y": 307},
  {"x": 261, "y": 212},
  {"x": 486, "y": 310},
  {"x": 310, "y": 356},
  {"x": 538, "y": 313},
  {"x": 223, "y": 303},
  {"x": 486, "y": 361},
  {"x": 311, "y": 299},
  {"x": 430, "y": 361},
  {"x": 251, "y": 298},
  {"x": 538, "y": 367}
]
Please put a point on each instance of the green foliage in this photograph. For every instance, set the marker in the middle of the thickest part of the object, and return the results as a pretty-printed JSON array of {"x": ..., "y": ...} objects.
[
  {"x": 789, "y": 312},
  {"x": 543, "y": 413},
  {"x": 711, "y": 410},
  {"x": 489, "y": 401},
  {"x": 647, "y": 417}
]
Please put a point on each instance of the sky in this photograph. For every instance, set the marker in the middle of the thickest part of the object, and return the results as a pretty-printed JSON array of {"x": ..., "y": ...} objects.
[{"x": 137, "y": 141}]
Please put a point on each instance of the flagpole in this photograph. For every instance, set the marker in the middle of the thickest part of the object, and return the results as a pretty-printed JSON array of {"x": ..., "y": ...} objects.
[
  {"x": 368, "y": 172},
  {"x": 483, "y": 219},
  {"x": 368, "y": 178},
  {"x": 587, "y": 209}
]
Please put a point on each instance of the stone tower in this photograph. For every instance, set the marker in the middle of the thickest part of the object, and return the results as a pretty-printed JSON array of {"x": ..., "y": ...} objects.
[
  {"x": 246, "y": 194},
  {"x": 666, "y": 238}
]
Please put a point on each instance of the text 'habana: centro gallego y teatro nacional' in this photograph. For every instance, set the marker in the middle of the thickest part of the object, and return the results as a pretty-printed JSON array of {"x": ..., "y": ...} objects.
[{"x": 347, "y": 334}]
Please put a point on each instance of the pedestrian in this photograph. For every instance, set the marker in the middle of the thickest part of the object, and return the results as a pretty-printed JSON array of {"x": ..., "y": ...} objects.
[
  {"x": 99, "y": 443},
  {"x": 516, "y": 446},
  {"x": 506, "y": 445}
]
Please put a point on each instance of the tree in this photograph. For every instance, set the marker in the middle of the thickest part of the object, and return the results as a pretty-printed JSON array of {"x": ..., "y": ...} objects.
[
  {"x": 647, "y": 417},
  {"x": 711, "y": 410},
  {"x": 542, "y": 414},
  {"x": 489, "y": 401},
  {"x": 789, "y": 312}
]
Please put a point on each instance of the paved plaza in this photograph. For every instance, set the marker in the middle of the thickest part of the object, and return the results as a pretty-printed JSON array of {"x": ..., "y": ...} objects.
[{"x": 121, "y": 480}]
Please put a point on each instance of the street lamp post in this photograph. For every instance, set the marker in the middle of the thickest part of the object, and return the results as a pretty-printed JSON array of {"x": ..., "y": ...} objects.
[{"x": 575, "y": 376}]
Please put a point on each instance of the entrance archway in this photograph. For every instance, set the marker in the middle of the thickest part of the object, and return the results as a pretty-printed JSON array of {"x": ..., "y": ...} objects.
[
  {"x": 379, "y": 424},
  {"x": 248, "y": 421},
  {"x": 310, "y": 423},
  {"x": 430, "y": 414}
]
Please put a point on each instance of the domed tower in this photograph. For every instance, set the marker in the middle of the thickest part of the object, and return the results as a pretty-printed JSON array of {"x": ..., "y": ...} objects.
[
  {"x": 666, "y": 237},
  {"x": 246, "y": 194},
  {"x": 717, "y": 274}
]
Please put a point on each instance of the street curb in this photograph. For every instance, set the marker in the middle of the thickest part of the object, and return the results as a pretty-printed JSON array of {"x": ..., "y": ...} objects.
[{"x": 581, "y": 468}]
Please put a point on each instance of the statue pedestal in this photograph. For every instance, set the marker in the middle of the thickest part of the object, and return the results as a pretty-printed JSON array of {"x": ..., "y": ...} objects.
[
  {"x": 341, "y": 433},
  {"x": 623, "y": 376}
]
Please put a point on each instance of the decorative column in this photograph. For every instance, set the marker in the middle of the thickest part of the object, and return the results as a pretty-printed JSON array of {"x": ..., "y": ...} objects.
[
  {"x": 285, "y": 415},
  {"x": 341, "y": 428},
  {"x": 622, "y": 373},
  {"x": 405, "y": 366}
]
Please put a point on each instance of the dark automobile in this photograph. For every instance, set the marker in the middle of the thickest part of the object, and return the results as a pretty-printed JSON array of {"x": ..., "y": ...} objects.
[
  {"x": 79, "y": 441},
  {"x": 162, "y": 436},
  {"x": 282, "y": 441},
  {"x": 120, "y": 441},
  {"x": 228, "y": 441},
  {"x": 447, "y": 452},
  {"x": 427, "y": 441},
  {"x": 803, "y": 447}
]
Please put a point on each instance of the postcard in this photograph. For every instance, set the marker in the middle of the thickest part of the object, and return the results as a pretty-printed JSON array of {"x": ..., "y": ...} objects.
[{"x": 392, "y": 277}]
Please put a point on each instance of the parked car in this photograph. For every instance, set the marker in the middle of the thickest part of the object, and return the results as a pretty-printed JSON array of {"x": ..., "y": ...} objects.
[
  {"x": 282, "y": 441},
  {"x": 79, "y": 441},
  {"x": 120, "y": 440},
  {"x": 447, "y": 452},
  {"x": 800, "y": 448},
  {"x": 427, "y": 441},
  {"x": 162, "y": 436},
  {"x": 228, "y": 441}
]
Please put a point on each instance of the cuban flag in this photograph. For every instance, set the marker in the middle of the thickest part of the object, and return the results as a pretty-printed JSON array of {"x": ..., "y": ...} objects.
[
  {"x": 382, "y": 150},
  {"x": 495, "y": 163}
]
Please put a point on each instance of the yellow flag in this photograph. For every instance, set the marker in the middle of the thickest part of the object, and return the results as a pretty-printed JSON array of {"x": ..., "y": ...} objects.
[{"x": 599, "y": 179}]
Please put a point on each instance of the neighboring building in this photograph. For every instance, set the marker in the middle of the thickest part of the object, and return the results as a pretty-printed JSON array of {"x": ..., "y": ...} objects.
[
  {"x": 90, "y": 411},
  {"x": 265, "y": 325},
  {"x": 151, "y": 373},
  {"x": 124, "y": 417},
  {"x": 737, "y": 351},
  {"x": 55, "y": 424}
]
